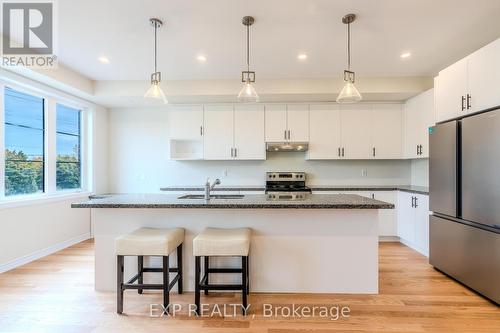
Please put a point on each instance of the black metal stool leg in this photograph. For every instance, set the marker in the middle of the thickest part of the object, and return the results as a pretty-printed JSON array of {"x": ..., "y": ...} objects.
[
  {"x": 166, "y": 283},
  {"x": 248, "y": 275},
  {"x": 197, "y": 264},
  {"x": 119, "y": 284},
  {"x": 140, "y": 267},
  {"x": 179, "y": 268},
  {"x": 244, "y": 276},
  {"x": 206, "y": 267}
]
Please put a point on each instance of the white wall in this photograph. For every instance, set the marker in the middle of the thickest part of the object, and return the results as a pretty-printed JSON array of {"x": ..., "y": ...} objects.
[
  {"x": 139, "y": 161},
  {"x": 34, "y": 228},
  {"x": 420, "y": 172}
]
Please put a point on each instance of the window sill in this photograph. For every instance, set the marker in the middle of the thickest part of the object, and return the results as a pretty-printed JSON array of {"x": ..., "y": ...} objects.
[{"x": 39, "y": 199}]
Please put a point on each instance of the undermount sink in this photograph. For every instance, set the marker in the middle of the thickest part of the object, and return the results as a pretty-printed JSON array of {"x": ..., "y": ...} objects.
[{"x": 213, "y": 196}]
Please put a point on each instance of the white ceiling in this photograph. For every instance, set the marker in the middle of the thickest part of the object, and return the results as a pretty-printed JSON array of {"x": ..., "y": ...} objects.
[{"x": 436, "y": 32}]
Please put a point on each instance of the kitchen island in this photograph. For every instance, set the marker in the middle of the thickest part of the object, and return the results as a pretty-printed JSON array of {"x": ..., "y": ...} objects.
[{"x": 321, "y": 244}]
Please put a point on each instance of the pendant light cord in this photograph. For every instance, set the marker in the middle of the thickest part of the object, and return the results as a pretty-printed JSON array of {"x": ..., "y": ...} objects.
[
  {"x": 248, "y": 47},
  {"x": 156, "y": 28},
  {"x": 349, "y": 46}
]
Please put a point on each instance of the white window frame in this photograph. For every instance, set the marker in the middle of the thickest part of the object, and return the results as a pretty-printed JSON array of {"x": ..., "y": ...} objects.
[{"x": 50, "y": 192}]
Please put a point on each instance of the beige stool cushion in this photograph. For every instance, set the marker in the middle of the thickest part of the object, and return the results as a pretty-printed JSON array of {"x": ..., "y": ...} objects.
[
  {"x": 222, "y": 242},
  {"x": 149, "y": 242}
]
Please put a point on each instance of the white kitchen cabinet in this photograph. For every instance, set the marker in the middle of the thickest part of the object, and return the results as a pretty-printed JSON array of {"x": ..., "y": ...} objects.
[
  {"x": 249, "y": 143},
  {"x": 356, "y": 131},
  {"x": 386, "y": 131},
  {"x": 469, "y": 85},
  {"x": 234, "y": 132},
  {"x": 185, "y": 122},
  {"x": 422, "y": 224},
  {"x": 275, "y": 120},
  {"x": 218, "y": 132},
  {"x": 451, "y": 91},
  {"x": 324, "y": 132},
  {"x": 298, "y": 122},
  {"x": 484, "y": 77},
  {"x": 406, "y": 217},
  {"x": 413, "y": 221},
  {"x": 287, "y": 122},
  {"x": 418, "y": 117},
  {"x": 387, "y": 218}
]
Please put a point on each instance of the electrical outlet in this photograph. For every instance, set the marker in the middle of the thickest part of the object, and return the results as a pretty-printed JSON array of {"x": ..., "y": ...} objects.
[{"x": 364, "y": 173}]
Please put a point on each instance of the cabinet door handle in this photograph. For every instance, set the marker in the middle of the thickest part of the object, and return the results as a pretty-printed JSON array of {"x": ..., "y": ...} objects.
[
  {"x": 416, "y": 202},
  {"x": 289, "y": 135},
  {"x": 342, "y": 152},
  {"x": 339, "y": 151},
  {"x": 284, "y": 134},
  {"x": 374, "y": 152},
  {"x": 235, "y": 152},
  {"x": 412, "y": 202},
  {"x": 232, "y": 154},
  {"x": 421, "y": 149},
  {"x": 417, "y": 149},
  {"x": 463, "y": 103},
  {"x": 201, "y": 130},
  {"x": 468, "y": 101}
]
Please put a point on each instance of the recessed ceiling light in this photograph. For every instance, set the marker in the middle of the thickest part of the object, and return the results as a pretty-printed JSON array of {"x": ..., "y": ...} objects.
[
  {"x": 302, "y": 56},
  {"x": 201, "y": 59},
  {"x": 405, "y": 55},
  {"x": 104, "y": 60}
]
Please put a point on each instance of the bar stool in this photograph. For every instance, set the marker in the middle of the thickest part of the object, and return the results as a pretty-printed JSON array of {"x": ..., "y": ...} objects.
[
  {"x": 149, "y": 242},
  {"x": 214, "y": 242}
]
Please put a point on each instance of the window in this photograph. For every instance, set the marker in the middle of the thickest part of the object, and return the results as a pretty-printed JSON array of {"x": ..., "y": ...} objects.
[
  {"x": 24, "y": 143},
  {"x": 68, "y": 163}
]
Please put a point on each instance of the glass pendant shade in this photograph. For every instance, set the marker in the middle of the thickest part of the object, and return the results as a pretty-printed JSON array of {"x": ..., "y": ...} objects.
[
  {"x": 248, "y": 93},
  {"x": 155, "y": 92},
  {"x": 349, "y": 94}
]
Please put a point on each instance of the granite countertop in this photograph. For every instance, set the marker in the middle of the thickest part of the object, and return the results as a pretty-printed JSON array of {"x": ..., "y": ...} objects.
[
  {"x": 249, "y": 188},
  {"x": 254, "y": 201}
]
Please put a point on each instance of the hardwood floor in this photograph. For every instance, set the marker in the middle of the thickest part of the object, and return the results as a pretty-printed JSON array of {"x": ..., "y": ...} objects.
[{"x": 55, "y": 294}]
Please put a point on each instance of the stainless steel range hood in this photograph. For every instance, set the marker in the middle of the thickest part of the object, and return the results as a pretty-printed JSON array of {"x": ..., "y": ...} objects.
[{"x": 287, "y": 146}]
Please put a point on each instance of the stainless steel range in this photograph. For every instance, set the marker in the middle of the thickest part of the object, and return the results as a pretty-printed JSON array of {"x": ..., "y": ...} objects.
[{"x": 286, "y": 186}]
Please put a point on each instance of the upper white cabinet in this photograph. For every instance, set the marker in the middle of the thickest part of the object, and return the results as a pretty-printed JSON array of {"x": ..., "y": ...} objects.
[
  {"x": 275, "y": 120},
  {"x": 470, "y": 84},
  {"x": 324, "y": 132},
  {"x": 298, "y": 122},
  {"x": 387, "y": 131},
  {"x": 451, "y": 91},
  {"x": 418, "y": 117},
  {"x": 234, "y": 133},
  {"x": 185, "y": 130},
  {"x": 287, "y": 122},
  {"x": 356, "y": 131},
  {"x": 185, "y": 122},
  {"x": 219, "y": 132},
  {"x": 484, "y": 77},
  {"x": 249, "y": 133}
]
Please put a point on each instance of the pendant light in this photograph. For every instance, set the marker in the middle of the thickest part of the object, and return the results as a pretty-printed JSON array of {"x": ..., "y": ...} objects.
[
  {"x": 155, "y": 90},
  {"x": 248, "y": 93},
  {"x": 349, "y": 94}
]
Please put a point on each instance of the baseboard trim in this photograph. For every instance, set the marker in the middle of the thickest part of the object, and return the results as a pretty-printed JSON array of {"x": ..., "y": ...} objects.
[
  {"x": 42, "y": 253},
  {"x": 388, "y": 238}
]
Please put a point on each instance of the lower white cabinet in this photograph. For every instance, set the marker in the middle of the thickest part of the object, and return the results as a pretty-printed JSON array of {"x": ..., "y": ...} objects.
[
  {"x": 413, "y": 221},
  {"x": 387, "y": 217}
]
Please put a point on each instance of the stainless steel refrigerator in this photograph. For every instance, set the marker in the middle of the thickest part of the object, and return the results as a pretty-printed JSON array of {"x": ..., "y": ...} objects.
[{"x": 464, "y": 172}]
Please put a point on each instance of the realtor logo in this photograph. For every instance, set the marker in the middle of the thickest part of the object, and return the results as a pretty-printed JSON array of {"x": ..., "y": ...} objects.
[{"x": 28, "y": 33}]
